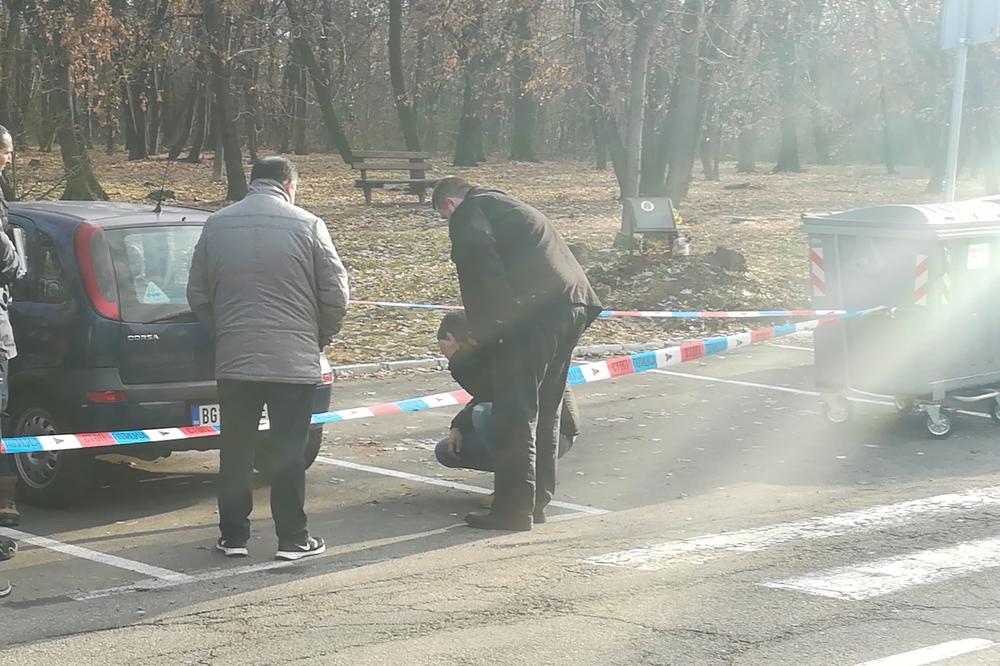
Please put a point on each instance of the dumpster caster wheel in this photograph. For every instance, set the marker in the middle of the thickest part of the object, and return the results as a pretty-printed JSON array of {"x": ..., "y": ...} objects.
[
  {"x": 838, "y": 410},
  {"x": 995, "y": 411},
  {"x": 903, "y": 405},
  {"x": 941, "y": 429}
]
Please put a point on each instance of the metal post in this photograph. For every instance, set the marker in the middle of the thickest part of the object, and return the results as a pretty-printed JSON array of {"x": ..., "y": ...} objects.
[{"x": 957, "y": 102}]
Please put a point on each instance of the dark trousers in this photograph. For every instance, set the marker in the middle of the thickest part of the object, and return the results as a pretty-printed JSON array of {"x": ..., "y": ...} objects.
[
  {"x": 529, "y": 375},
  {"x": 289, "y": 409},
  {"x": 7, "y": 466}
]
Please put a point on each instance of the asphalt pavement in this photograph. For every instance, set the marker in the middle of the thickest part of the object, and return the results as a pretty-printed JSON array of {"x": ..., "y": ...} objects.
[{"x": 708, "y": 515}]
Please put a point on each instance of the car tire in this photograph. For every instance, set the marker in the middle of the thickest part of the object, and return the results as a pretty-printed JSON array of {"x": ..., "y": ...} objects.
[
  {"x": 262, "y": 454},
  {"x": 50, "y": 479}
]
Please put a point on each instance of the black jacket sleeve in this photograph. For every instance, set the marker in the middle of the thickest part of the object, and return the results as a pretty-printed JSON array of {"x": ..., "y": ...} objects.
[{"x": 486, "y": 290}]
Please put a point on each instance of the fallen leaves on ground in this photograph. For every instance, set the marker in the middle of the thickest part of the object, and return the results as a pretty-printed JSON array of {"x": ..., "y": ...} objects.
[{"x": 397, "y": 249}]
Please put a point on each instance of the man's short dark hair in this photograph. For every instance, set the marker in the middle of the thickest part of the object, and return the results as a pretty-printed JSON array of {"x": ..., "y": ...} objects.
[
  {"x": 456, "y": 324},
  {"x": 449, "y": 187},
  {"x": 274, "y": 168}
]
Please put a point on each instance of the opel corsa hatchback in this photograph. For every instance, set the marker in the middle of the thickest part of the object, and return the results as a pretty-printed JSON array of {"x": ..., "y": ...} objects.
[{"x": 106, "y": 340}]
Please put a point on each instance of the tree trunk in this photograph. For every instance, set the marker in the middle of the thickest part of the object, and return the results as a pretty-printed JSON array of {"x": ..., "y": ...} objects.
[
  {"x": 685, "y": 117},
  {"x": 10, "y": 115},
  {"x": 300, "y": 143},
  {"x": 216, "y": 26},
  {"x": 787, "y": 64},
  {"x": 747, "y": 161},
  {"x": 876, "y": 42},
  {"x": 598, "y": 96},
  {"x": 199, "y": 130},
  {"x": 525, "y": 106},
  {"x": 185, "y": 127},
  {"x": 647, "y": 27},
  {"x": 404, "y": 102},
  {"x": 134, "y": 97},
  {"x": 655, "y": 134},
  {"x": 81, "y": 180},
  {"x": 469, "y": 148},
  {"x": 321, "y": 85},
  {"x": 155, "y": 114}
]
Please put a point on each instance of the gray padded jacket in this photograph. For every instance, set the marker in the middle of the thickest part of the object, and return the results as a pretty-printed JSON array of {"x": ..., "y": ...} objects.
[{"x": 267, "y": 281}]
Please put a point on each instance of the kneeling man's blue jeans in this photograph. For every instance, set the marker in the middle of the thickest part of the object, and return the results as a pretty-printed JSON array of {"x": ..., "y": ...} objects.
[{"x": 477, "y": 445}]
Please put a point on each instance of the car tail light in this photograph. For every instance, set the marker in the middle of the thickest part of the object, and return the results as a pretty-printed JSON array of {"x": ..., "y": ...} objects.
[
  {"x": 97, "y": 272},
  {"x": 106, "y": 396},
  {"x": 326, "y": 370}
]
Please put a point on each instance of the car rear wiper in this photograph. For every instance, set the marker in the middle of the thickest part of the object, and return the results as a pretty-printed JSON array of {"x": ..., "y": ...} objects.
[{"x": 186, "y": 315}]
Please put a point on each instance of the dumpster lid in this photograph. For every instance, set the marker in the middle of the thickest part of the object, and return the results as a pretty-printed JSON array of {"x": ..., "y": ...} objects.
[{"x": 985, "y": 210}]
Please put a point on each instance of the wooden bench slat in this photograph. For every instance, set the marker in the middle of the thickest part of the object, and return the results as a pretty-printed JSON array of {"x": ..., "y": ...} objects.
[
  {"x": 391, "y": 154},
  {"x": 380, "y": 182},
  {"x": 393, "y": 166}
]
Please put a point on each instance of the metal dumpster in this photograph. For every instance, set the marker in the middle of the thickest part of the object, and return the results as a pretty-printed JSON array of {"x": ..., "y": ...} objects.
[{"x": 937, "y": 268}]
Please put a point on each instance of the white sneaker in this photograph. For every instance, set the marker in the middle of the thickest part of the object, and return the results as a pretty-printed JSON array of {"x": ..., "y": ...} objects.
[
  {"x": 231, "y": 548},
  {"x": 296, "y": 551}
]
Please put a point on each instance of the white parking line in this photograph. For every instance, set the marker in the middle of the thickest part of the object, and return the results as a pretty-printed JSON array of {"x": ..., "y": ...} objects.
[
  {"x": 793, "y": 347},
  {"x": 892, "y": 574},
  {"x": 454, "y": 485},
  {"x": 788, "y": 389},
  {"x": 157, "y": 573},
  {"x": 711, "y": 546},
  {"x": 216, "y": 574},
  {"x": 934, "y": 653}
]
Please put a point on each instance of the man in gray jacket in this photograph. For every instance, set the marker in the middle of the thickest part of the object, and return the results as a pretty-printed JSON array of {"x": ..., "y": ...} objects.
[{"x": 266, "y": 279}]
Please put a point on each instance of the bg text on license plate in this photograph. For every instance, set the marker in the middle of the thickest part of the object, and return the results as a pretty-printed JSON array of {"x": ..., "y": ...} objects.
[{"x": 211, "y": 415}]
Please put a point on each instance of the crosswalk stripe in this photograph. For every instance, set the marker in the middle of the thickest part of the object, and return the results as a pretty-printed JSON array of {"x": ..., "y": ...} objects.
[
  {"x": 934, "y": 653},
  {"x": 703, "y": 548},
  {"x": 892, "y": 574}
]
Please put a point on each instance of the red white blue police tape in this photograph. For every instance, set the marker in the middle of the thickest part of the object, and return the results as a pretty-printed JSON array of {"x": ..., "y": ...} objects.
[
  {"x": 648, "y": 314},
  {"x": 583, "y": 374}
]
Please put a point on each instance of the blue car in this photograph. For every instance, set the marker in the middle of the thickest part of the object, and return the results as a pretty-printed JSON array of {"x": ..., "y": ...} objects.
[{"x": 106, "y": 340}]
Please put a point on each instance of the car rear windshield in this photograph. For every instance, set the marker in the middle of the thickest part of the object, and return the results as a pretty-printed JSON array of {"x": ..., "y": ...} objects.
[{"x": 151, "y": 267}]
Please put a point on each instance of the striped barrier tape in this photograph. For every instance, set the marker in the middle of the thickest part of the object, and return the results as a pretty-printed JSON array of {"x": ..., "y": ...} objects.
[
  {"x": 648, "y": 314},
  {"x": 582, "y": 374}
]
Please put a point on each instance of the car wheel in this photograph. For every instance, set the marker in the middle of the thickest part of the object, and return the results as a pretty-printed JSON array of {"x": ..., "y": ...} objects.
[
  {"x": 51, "y": 479},
  {"x": 262, "y": 453}
]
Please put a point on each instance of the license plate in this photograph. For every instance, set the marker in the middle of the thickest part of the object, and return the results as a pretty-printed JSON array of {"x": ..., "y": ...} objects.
[{"x": 211, "y": 415}]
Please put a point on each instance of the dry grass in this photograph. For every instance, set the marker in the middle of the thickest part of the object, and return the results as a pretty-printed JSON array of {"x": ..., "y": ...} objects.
[{"x": 398, "y": 250}]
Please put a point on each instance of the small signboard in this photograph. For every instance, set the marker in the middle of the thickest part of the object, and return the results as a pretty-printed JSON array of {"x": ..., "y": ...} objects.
[{"x": 981, "y": 24}]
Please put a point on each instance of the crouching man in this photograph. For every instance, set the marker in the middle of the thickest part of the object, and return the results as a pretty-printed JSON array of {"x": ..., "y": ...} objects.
[{"x": 471, "y": 441}]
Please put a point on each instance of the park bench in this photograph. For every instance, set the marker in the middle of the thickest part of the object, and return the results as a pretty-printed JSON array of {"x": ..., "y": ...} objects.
[{"x": 415, "y": 164}]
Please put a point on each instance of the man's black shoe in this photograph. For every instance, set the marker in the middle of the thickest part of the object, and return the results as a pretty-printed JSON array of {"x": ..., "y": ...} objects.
[
  {"x": 539, "y": 517},
  {"x": 491, "y": 521}
]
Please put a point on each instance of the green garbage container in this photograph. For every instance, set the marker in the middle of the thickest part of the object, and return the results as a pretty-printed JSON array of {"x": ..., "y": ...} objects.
[{"x": 936, "y": 268}]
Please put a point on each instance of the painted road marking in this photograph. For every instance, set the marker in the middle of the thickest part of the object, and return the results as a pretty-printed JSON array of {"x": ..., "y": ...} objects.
[
  {"x": 149, "y": 570},
  {"x": 933, "y": 653},
  {"x": 229, "y": 572},
  {"x": 711, "y": 546},
  {"x": 793, "y": 347},
  {"x": 454, "y": 485},
  {"x": 892, "y": 574},
  {"x": 788, "y": 389}
]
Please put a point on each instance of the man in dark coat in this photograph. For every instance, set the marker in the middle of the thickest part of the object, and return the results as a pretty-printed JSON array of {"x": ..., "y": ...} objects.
[
  {"x": 11, "y": 269},
  {"x": 524, "y": 293}
]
